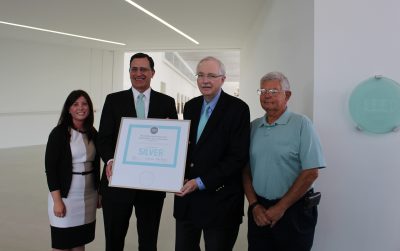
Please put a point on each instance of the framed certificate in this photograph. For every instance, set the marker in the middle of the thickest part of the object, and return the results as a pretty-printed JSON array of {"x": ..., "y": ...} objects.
[{"x": 151, "y": 154}]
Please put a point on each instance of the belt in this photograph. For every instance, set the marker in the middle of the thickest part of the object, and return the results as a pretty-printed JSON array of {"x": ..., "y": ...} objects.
[
  {"x": 83, "y": 173},
  {"x": 274, "y": 201}
]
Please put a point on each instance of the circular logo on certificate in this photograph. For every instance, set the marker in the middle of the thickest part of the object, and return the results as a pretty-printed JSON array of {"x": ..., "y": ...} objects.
[{"x": 154, "y": 130}]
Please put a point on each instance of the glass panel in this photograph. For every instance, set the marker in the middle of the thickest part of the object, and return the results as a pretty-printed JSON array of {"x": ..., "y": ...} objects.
[{"x": 375, "y": 105}]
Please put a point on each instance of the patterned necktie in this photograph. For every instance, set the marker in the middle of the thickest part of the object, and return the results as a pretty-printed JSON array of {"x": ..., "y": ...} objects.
[
  {"x": 203, "y": 121},
  {"x": 140, "y": 106}
]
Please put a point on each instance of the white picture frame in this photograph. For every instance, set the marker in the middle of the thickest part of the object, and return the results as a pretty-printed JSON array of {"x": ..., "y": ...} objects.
[{"x": 151, "y": 154}]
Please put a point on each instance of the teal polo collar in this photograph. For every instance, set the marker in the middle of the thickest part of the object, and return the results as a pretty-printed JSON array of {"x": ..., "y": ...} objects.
[{"x": 282, "y": 120}]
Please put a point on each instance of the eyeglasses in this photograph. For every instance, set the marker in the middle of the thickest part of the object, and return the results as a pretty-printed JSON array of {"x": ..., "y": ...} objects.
[
  {"x": 139, "y": 69},
  {"x": 272, "y": 92},
  {"x": 208, "y": 76}
]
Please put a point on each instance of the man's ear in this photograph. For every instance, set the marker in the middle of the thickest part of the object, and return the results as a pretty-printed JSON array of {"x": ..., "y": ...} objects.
[{"x": 288, "y": 95}]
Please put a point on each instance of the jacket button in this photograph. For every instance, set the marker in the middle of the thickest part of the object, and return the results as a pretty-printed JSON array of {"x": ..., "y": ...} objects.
[{"x": 191, "y": 165}]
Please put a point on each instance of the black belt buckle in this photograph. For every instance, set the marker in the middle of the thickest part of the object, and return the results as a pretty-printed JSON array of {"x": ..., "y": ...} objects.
[
  {"x": 83, "y": 173},
  {"x": 312, "y": 200}
]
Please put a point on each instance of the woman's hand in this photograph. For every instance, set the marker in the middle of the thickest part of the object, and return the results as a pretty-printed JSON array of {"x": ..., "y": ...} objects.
[
  {"x": 59, "y": 208},
  {"x": 109, "y": 169}
]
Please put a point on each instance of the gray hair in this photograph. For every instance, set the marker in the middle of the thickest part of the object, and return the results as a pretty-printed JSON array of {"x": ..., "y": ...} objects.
[
  {"x": 210, "y": 58},
  {"x": 276, "y": 75}
]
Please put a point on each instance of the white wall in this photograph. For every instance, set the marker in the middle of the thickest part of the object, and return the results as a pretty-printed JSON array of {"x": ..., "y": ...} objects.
[
  {"x": 280, "y": 40},
  {"x": 355, "y": 40},
  {"x": 35, "y": 79}
]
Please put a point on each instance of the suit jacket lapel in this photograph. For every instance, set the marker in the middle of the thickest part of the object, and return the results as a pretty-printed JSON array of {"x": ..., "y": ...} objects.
[
  {"x": 129, "y": 103},
  {"x": 195, "y": 114},
  {"x": 152, "y": 105}
]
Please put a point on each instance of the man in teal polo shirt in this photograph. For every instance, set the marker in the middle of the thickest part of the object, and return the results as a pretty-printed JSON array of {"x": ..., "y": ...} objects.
[{"x": 285, "y": 156}]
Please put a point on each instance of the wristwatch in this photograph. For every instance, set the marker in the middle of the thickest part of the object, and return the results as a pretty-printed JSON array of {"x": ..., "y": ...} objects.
[{"x": 253, "y": 205}]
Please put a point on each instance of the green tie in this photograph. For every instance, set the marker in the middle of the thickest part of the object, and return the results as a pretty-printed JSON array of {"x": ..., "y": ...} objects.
[
  {"x": 140, "y": 106},
  {"x": 203, "y": 121}
]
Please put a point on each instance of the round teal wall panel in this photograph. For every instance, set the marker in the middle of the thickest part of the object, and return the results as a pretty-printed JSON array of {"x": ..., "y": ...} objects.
[{"x": 375, "y": 105}]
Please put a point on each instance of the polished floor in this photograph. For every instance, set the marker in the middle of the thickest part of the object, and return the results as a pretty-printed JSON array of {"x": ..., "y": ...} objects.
[{"x": 24, "y": 224}]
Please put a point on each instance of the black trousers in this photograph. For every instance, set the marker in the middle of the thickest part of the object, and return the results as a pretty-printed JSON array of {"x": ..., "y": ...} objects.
[
  {"x": 293, "y": 232},
  {"x": 215, "y": 238},
  {"x": 116, "y": 216}
]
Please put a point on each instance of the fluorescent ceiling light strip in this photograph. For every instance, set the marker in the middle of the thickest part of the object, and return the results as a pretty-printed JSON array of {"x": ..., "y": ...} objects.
[
  {"x": 160, "y": 20},
  {"x": 61, "y": 33}
]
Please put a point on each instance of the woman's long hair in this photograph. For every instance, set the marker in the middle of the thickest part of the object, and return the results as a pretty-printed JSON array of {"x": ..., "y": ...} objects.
[{"x": 66, "y": 118}]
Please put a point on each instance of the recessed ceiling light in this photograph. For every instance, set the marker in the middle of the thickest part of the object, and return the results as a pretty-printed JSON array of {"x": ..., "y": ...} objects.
[
  {"x": 61, "y": 33},
  {"x": 161, "y": 21}
]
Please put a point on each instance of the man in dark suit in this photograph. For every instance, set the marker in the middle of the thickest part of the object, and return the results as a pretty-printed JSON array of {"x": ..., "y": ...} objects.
[
  {"x": 118, "y": 203},
  {"x": 211, "y": 200}
]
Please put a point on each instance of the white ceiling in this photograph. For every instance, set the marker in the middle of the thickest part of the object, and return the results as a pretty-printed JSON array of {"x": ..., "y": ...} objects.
[{"x": 216, "y": 24}]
